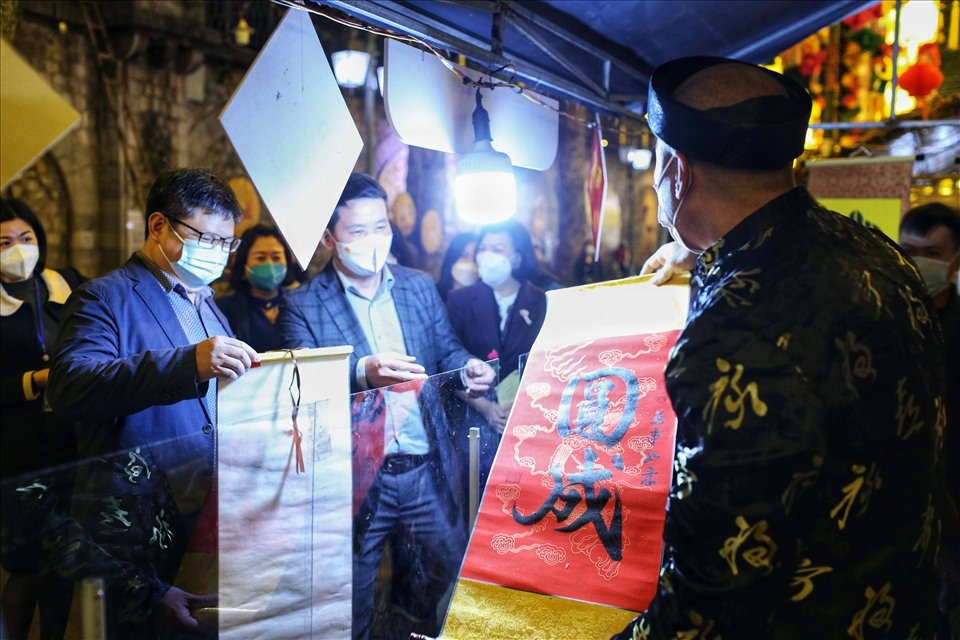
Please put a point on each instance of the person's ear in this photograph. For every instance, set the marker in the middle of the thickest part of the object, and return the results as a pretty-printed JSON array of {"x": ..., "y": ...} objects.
[
  {"x": 328, "y": 241},
  {"x": 954, "y": 263},
  {"x": 155, "y": 222},
  {"x": 683, "y": 178}
]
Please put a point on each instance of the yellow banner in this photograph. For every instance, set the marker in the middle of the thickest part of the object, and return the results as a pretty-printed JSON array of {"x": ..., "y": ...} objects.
[{"x": 877, "y": 213}]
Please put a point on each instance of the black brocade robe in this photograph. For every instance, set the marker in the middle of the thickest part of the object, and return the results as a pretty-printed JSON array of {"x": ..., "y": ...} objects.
[{"x": 809, "y": 388}]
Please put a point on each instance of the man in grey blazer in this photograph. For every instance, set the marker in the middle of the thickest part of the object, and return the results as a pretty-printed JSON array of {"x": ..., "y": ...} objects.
[{"x": 398, "y": 327}]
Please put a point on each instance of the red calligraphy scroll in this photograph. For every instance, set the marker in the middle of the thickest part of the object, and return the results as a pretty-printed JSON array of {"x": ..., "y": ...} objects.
[
  {"x": 573, "y": 512},
  {"x": 581, "y": 480}
]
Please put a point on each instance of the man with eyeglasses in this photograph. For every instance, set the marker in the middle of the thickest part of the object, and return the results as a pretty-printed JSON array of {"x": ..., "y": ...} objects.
[{"x": 136, "y": 365}]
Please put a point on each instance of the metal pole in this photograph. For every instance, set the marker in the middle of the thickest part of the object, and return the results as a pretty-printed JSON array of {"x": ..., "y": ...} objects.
[
  {"x": 92, "y": 609},
  {"x": 474, "y": 493},
  {"x": 896, "y": 57}
]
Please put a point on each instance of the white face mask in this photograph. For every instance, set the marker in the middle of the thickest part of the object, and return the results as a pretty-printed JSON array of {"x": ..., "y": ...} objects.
[
  {"x": 934, "y": 273},
  {"x": 494, "y": 269},
  {"x": 666, "y": 221},
  {"x": 18, "y": 262},
  {"x": 198, "y": 266},
  {"x": 366, "y": 256},
  {"x": 464, "y": 272}
]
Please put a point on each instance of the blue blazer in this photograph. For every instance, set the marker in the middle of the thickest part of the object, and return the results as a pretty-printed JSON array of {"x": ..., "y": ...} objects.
[{"x": 124, "y": 369}]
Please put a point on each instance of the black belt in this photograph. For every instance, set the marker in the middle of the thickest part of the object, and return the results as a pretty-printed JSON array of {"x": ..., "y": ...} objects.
[{"x": 403, "y": 463}]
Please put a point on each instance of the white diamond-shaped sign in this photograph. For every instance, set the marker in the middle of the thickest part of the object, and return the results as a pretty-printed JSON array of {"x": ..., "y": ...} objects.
[
  {"x": 294, "y": 133},
  {"x": 33, "y": 117}
]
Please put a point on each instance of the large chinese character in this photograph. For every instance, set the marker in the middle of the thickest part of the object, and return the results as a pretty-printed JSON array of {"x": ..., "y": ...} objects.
[
  {"x": 610, "y": 536},
  {"x": 591, "y": 413}
]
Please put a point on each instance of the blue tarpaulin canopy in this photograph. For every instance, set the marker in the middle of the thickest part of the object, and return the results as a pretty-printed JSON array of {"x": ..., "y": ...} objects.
[{"x": 600, "y": 52}]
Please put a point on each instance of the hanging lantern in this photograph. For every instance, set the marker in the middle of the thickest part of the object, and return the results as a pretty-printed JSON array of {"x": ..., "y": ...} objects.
[{"x": 921, "y": 79}]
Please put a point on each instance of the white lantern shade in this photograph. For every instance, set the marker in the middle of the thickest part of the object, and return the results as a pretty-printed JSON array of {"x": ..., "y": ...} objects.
[
  {"x": 350, "y": 68},
  {"x": 486, "y": 189}
]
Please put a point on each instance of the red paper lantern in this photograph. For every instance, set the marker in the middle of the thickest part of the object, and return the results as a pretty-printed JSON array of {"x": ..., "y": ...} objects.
[{"x": 921, "y": 79}]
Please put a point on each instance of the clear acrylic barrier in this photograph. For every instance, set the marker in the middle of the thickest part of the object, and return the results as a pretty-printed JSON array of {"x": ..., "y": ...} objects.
[
  {"x": 286, "y": 532},
  {"x": 413, "y": 512}
]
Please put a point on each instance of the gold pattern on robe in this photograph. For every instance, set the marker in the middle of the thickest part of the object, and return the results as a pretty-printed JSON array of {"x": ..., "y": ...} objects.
[
  {"x": 865, "y": 291},
  {"x": 941, "y": 422},
  {"x": 708, "y": 257},
  {"x": 664, "y": 581},
  {"x": 907, "y": 412},
  {"x": 641, "y": 630},
  {"x": 114, "y": 519},
  {"x": 783, "y": 342},
  {"x": 803, "y": 578},
  {"x": 760, "y": 239},
  {"x": 877, "y": 614},
  {"x": 136, "y": 466},
  {"x": 676, "y": 366},
  {"x": 926, "y": 533},
  {"x": 800, "y": 481},
  {"x": 731, "y": 289},
  {"x": 759, "y": 555},
  {"x": 703, "y": 629},
  {"x": 684, "y": 478},
  {"x": 916, "y": 311},
  {"x": 857, "y": 361},
  {"x": 857, "y": 490},
  {"x": 162, "y": 535},
  {"x": 727, "y": 388}
]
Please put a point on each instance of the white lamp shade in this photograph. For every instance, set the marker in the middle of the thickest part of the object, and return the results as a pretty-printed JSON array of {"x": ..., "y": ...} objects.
[
  {"x": 486, "y": 189},
  {"x": 486, "y": 198},
  {"x": 350, "y": 68}
]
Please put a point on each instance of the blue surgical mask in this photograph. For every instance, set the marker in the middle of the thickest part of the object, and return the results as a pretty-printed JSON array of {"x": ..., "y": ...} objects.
[
  {"x": 267, "y": 276},
  {"x": 198, "y": 266}
]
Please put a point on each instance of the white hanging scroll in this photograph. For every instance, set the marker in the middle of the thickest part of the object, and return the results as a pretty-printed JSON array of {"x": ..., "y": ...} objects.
[{"x": 285, "y": 543}]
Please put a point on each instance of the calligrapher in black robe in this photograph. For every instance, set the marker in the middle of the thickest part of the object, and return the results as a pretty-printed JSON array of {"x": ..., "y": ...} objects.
[{"x": 803, "y": 496}]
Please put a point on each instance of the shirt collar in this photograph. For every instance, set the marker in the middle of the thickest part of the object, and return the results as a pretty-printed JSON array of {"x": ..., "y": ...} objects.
[
  {"x": 386, "y": 283},
  {"x": 57, "y": 291}
]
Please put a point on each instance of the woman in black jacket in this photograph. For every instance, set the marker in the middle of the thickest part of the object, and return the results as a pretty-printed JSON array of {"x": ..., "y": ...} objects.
[{"x": 38, "y": 447}]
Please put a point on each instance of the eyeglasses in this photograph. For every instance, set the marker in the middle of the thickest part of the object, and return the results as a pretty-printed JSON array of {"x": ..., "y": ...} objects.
[{"x": 208, "y": 240}]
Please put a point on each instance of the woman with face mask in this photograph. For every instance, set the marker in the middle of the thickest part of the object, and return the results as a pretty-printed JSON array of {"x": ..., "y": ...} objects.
[
  {"x": 458, "y": 269},
  {"x": 35, "y": 442},
  {"x": 262, "y": 269},
  {"x": 498, "y": 317}
]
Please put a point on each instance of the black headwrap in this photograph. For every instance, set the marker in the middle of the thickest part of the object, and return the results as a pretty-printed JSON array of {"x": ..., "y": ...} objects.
[{"x": 759, "y": 133}]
